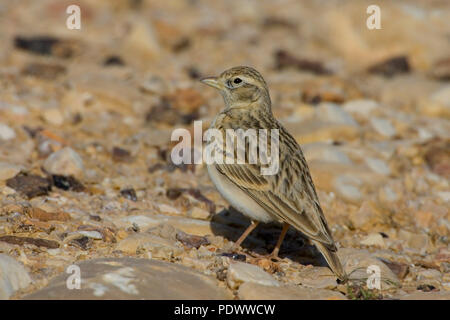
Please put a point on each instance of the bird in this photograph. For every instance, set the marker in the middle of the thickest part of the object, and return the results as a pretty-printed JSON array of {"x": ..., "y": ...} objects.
[{"x": 289, "y": 196}]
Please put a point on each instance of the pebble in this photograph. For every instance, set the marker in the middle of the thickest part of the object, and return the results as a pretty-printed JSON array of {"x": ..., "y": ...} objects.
[
  {"x": 383, "y": 127},
  {"x": 53, "y": 116},
  {"x": 64, "y": 162},
  {"x": 331, "y": 112},
  {"x": 362, "y": 107},
  {"x": 240, "y": 272},
  {"x": 13, "y": 276},
  {"x": 6, "y": 132},
  {"x": 8, "y": 170},
  {"x": 378, "y": 166},
  {"x": 374, "y": 239}
]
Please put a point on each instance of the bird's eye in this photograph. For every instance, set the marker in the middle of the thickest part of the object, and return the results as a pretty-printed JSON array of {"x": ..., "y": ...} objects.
[{"x": 237, "y": 80}]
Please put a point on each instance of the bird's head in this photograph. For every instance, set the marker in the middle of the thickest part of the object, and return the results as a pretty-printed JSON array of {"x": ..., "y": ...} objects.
[{"x": 240, "y": 87}]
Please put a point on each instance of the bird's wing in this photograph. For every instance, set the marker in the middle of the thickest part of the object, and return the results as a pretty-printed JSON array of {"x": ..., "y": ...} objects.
[{"x": 289, "y": 194}]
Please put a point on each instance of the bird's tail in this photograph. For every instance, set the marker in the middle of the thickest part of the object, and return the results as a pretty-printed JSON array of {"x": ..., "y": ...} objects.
[{"x": 333, "y": 261}]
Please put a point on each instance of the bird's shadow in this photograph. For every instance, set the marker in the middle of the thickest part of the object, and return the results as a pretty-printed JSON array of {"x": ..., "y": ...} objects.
[{"x": 230, "y": 223}]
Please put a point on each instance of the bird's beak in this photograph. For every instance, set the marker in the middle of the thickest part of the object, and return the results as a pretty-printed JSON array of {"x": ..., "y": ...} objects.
[{"x": 212, "y": 82}]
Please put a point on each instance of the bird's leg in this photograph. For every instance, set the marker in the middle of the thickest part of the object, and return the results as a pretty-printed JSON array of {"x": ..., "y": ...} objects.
[
  {"x": 274, "y": 254},
  {"x": 249, "y": 229}
]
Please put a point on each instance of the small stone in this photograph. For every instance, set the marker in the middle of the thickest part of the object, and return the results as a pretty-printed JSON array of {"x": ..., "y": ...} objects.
[
  {"x": 255, "y": 291},
  {"x": 29, "y": 185},
  {"x": 42, "y": 215},
  {"x": 91, "y": 234},
  {"x": 121, "y": 155},
  {"x": 129, "y": 194},
  {"x": 362, "y": 107},
  {"x": 7, "y": 170},
  {"x": 240, "y": 272},
  {"x": 331, "y": 112},
  {"x": 428, "y": 274},
  {"x": 367, "y": 216},
  {"x": 348, "y": 187},
  {"x": 325, "y": 152},
  {"x": 64, "y": 162},
  {"x": 378, "y": 166},
  {"x": 67, "y": 183},
  {"x": 416, "y": 241},
  {"x": 391, "y": 66},
  {"x": 53, "y": 116},
  {"x": 374, "y": 239},
  {"x": 6, "y": 132},
  {"x": 191, "y": 241},
  {"x": 166, "y": 209},
  {"x": 13, "y": 276},
  {"x": 383, "y": 127},
  {"x": 198, "y": 213}
]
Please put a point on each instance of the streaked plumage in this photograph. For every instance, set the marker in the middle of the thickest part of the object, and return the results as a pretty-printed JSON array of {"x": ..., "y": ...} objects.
[{"x": 289, "y": 196}]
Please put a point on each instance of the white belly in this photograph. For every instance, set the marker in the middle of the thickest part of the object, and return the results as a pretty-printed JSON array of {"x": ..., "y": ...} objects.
[{"x": 237, "y": 198}]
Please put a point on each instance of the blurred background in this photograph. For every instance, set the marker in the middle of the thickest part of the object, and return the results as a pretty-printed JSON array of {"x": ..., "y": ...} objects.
[{"x": 371, "y": 109}]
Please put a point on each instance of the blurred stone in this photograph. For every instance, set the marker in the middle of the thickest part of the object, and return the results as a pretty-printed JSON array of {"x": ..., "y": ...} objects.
[
  {"x": 332, "y": 113},
  {"x": 240, "y": 272},
  {"x": 29, "y": 185},
  {"x": 378, "y": 165},
  {"x": 362, "y": 107},
  {"x": 284, "y": 59},
  {"x": 64, "y": 162},
  {"x": 47, "y": 71},
  {"x": 186, "y": 100},
  {"x": 256, "y": 291},
  {"x": 374, "y": 239},
  {"x": 128, "y": 278},
  {"x": 198, "y": 213},
  {"x": 53, "y": 116},
  {"x": 13, "y": 276},
  {"x": 437, "y": 156},
  {"x": 441, "y": 69},
  {"x": 314, "y": 131},
  {"x": 383, "y": 127},
  {"x": 416, "y": 241},
  {"x": 391, "y": 66},
  {"x": 143, "y": 38},
  {"x": 7, "y": 170},
  {"x": 325, "y": 152},
  {"x": 348, "y": 187},
  {"x": 42, "y": 215},
  {"x": 6, "y": 132},
  {"x": 437, "y": 105},
  {"x": 367, "y": 216}
]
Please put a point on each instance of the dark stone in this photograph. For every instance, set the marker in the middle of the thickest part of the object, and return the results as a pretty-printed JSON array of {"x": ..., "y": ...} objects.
[
  {"x": 113, "y": 61},
  {"x": 391, "y": 67},
  {"x": 67, "y": 183},
  {"x": 44, "y": 70},
  {"x": 234, "y": 256},
  {"x": 284, "y": 60},
  {"x": 39, "y": 45},
  {"x": 34, "y": 241},
  {"x": 129, "y": 194},
  {"x": 191, "y": 241},
  {"x": 121, "y": 155},
  {"x": 30, "y": 185}
]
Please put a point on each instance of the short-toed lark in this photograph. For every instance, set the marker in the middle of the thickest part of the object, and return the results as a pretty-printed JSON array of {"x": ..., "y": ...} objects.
[{"x": 289, "y": 196}]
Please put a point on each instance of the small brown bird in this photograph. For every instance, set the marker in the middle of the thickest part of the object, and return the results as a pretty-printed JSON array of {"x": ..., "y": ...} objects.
[{"x": 289, "y": 195}]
